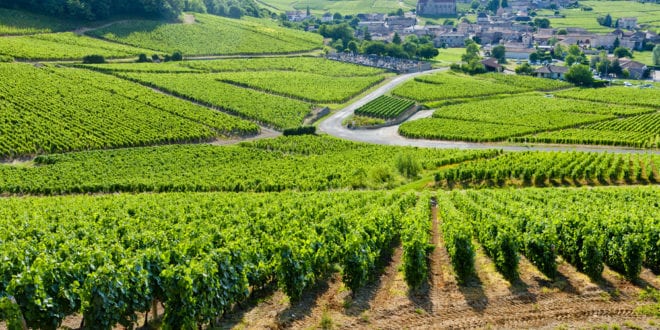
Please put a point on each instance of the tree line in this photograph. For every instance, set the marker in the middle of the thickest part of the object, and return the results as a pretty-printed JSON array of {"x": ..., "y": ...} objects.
[{"x": 101, "y": 9}]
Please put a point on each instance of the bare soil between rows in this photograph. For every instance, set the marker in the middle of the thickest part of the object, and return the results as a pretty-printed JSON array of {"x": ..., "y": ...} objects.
[{"x": 571, "y": 300}]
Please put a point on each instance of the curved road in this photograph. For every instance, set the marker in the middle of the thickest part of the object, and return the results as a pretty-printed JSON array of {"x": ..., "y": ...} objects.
[{"x": 390, "y": 136}]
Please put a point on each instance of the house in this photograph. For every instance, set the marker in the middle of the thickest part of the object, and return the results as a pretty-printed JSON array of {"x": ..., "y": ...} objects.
[
  {"x": 628, "y": 23},
  {"x": 482, "y": 18},
  {"x": 296, "y": 15},
  {"x": 436, "y": 7},
  {"x": 327, "y": 17},
  {"x": 375, "y": 28},
  {"x": 551, "y": 72},
  {"x": 492, "y": 65},
  {"x": 518, "y": 53},
  {"x": 450, "y": 39},
  {"x": 401, "y": 22},
  {"x": 636, "y": 69}
]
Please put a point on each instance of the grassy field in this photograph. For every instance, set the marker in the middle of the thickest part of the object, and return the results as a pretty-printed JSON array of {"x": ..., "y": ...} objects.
[
  {"x": 647, "y": 13},
  {"x": 16, "y": 22},
  {"x": 64, "y": 46},
  {"x": 448, "y": 56},
  {"x": 211, "y": 35},
  {"x": 350, "y": 7}
]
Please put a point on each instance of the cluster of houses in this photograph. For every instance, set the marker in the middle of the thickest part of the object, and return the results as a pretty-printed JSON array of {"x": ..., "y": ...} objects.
[{"x": 384, "y": 62}]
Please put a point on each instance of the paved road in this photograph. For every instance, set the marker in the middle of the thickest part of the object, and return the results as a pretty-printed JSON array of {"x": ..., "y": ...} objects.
[{"x": 390, "y": 136}]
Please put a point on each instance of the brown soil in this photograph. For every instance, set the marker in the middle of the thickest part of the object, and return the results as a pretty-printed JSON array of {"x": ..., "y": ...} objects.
[{"x": 571, "y": 300}]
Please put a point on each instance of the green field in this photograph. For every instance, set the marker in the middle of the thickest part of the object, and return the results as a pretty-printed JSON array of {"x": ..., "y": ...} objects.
[
  {"x": 211, "y": 35},
  {"x": 646, "y": 13},
  {"x": 64, "y": 46},
  {"x": 450, "y": 85},
  {"x": 50, "y": 110},
  {"x": 552, "y": 169},
  {"x": 448, "y": 56},
  {"x": 319, "y": 7},
  {"x": 16, "y": 22},
  {"x": 287, "y": 163}
]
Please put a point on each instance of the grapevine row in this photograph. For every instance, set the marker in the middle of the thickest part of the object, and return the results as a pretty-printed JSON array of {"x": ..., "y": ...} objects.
[{"x": 385, "y": 107}]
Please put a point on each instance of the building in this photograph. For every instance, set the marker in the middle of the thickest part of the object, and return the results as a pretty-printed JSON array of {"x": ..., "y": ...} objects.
[
  {"x": 636, "y": 69},
  {"x": 551, "y": 72},
  {"x": 296, "y": 15},
  {"x": 327, "y": 17},
  {"x": 436, "y": 7},
  {"x": 450, "y": 39},
  {"x": 492, "y": 65},
  {"x": 628, "y": 23}
]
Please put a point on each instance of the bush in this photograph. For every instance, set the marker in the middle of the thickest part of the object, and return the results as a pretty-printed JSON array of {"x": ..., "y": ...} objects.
[
  {"x": 6, "y": 59},
  {"x": 407, "y": 165},
  {"x": 142, "y": 58},
  {"x": 93, "y": 59},
  {"x": 177, "y": 56},
  {"x": 302, "y": 130}
]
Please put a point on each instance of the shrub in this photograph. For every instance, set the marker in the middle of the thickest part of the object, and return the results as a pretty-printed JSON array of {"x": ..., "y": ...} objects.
[{"x": 93, "y": 59}]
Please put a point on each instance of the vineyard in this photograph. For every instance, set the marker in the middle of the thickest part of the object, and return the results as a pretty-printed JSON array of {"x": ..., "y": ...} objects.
[
  {"x": 48, "y": 110},
  {"x": 16, "y": 22},
  {"x": 64, "y": 46},
  {"x": 211, "y": 35},
  {"x": 461, "y": 130},
  {"x": 618, "y": 95},
  {"x": 281, "y": 99},
  {"x": 111, "y": 257},
  {"x": 553, "y": 169},
  {"x": 286, "y": 163},
  {"x": 588, "y": 228},
  {"x": 301, "y": 85},
  {"x": 385, "y": 107}
]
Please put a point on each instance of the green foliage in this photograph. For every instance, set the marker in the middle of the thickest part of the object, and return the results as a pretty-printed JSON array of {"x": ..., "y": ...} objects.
[
  {"x": 11, "y": 313},
  {"x": 580, "y": 75},
  {"x": 407, "y": 165},
  {"x": 457, "y": 234},
  {"x": 57, "y": 114},
  {"x": 302, "y": 85},
  {"x": 568, "y": 168},
  {"x": 93, "y": 59},
  {"x": 16, "y": 22},
  {"x": 211, "y": 35},
  {"x": 385, "y": 107},
  {"x": 304, "y": 163},
  {"x": 460, "y": 130},
  {"x": 416, "y": 238},
  {"x": 617, "y": 95},
  {"x": 63, "y": 46}
]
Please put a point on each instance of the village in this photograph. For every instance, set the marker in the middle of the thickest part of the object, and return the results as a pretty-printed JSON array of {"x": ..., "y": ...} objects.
[{"x": 516, "y": 27}]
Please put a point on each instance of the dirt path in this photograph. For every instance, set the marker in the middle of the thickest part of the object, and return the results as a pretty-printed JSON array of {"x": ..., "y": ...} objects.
[{"x": 570, "y": 300}]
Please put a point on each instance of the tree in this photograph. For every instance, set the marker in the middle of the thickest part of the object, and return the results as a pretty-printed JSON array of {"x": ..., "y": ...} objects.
[
  {"x": 410, "y": 48},
  {"x": 605, "y": 20},
  {"x": 504, "y": 4},
  {"x": 396, "y": 39},
  {"x": 375, "y": 47},
  {"x": 337, "y": 16},
  {"x": 399, "y": 12},
  {"x": 235, "y": 12},
  {"x": 525, "y": 69},
  {"x": 353, "y": 46},
  {"x": 562, "y": 32},
  {"x": 493, "y": 5},
  {"x": 580, "y": 75},
  {"x": 475, "y": 4},
  {"x": 542, "y": 23},
  {"x": 534, "y": 57},
  {"x": 427, "y": 51},
  {"x": 622, "y": 52},
  {"x": 616, "y": 43},
  {"x": 471, "y": 51},
  {"x": 142, "y": 58},
  {"x": 309, "y": 13},
  {"x": 656, "y": 55},
  {"x": 499, "y": 52}
]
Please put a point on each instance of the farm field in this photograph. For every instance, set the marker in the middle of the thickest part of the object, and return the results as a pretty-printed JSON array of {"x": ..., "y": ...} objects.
[
  {"x": 450, "y": 85},
  {"x": 211, "y": 35},
  {"x": 647, "y": 14},
  {"x": 49, "y": 110},
  {"x": 285, "y": 163},
  {"x": 64, "y": 46},
  {"x": 281, "y": 96},
  {"x": 385, "y": 107},
  {"x": 553, "y": 169},
  {"x": 162, "y": 196},
  {"x": 328, "y": 229},
  {"x": 17, "y": 22},
  {"x": 320, "y": 7}
]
